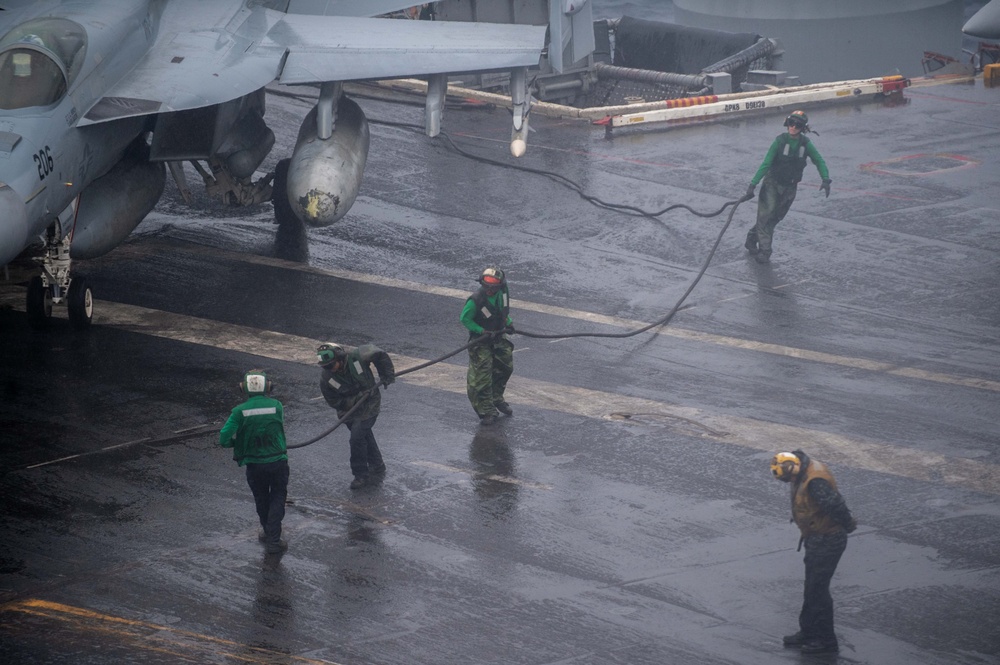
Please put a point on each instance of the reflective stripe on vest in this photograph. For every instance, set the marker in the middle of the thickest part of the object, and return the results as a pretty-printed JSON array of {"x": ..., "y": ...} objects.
[
  {"x": 801, "y": 151},
  {"x": 788, "y": 166},
  {"x": 265, "y": 411}
]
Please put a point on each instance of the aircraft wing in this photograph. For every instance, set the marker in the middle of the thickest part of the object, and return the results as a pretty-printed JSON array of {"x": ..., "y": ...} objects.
[
  {"x": 206, "y": 53},
  {"x": 15, "y": 4},
  {"x": 363, "y": 48},
  {"x": 347, "y": 7}
]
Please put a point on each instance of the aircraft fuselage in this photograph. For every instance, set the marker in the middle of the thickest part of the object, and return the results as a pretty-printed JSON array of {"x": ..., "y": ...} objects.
[{"x": 46, "y": 161}]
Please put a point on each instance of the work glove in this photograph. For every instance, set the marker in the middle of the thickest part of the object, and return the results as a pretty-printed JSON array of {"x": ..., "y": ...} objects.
[
  {"x": 749, "y": 194},
  {"x": 851, "y": 526},
  {"x": 826, "y": 186},
  {"x": 509, "y": 329},
  {"x": 389, "y": 380}
]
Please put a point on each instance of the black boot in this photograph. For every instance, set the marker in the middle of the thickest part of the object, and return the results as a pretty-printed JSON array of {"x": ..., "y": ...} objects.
[
  {"x": 276, "y": 548},
  {"x": 751, "y": 243},
  {"x": 820, "y": 646}
]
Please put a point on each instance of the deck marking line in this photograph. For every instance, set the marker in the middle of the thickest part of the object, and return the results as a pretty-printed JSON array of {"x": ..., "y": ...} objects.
[
  {"x": 739, "y": 431},
  {"x": 149, "y": 636},
  {"x": 601, "y": 319}
]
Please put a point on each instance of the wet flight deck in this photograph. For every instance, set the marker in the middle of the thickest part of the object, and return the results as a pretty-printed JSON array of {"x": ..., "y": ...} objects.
[{"x": 625, "y": 513}]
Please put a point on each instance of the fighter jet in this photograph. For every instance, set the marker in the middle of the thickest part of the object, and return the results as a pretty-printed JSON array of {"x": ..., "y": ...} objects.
[
  {"x": 99, "y": 99},
  {"x": 985, "y": 23}
]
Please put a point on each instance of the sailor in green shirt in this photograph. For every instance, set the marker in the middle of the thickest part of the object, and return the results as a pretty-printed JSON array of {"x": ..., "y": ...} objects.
[
  {"x": 255, "y": 431},
  {"x": 781, "y": 171},
  {"x": 487, "y": 315}
]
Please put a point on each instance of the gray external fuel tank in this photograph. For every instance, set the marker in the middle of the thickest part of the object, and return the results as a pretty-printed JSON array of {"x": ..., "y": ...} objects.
[{"x": 324, "y": 176}]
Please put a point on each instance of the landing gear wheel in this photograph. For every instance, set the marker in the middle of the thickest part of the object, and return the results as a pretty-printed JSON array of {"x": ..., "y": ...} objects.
[
  {"x": 291, "y": 242},
  {"x": 39, "y": 304},
  {"x": 80, "y": 302},
  {"x": 283, "y": 212}
]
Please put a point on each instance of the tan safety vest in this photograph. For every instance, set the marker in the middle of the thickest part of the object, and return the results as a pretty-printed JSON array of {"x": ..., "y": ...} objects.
[{"x": 807, "y": 515}]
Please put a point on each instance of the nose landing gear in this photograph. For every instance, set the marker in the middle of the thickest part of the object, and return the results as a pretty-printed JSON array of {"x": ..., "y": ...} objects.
[{"x": 55, "y": 287}]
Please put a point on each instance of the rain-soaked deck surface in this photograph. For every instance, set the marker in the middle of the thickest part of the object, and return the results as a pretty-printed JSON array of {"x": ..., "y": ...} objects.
[{"x": 567, "y": 534}]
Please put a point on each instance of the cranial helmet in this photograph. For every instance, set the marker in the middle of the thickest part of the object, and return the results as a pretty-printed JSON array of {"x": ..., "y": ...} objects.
[
  {"x": 785, "y": 466},
  {"x": 492, "y": 277},
  {"x": 797, "y": 118},
  {"x": 329, "y": 353},
  {"x": 255, "y": 382}
]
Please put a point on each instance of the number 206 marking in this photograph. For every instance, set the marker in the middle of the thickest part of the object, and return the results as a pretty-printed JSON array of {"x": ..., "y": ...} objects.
[{"x": 43, "y": 161}]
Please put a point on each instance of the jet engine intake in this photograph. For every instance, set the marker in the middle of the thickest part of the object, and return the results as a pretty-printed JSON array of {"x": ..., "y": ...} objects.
[
  {"x": 114, "y": 204},
  {"x": 324, "y": 176},
  {"x": 252, "y": 140}
]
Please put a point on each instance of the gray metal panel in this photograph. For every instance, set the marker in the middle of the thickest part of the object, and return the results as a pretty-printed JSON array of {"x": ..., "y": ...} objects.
[
  {"x": 362, "y": 48},
  {"x": 347, "y": 7},
  {"x": 533, "y": 12},
  {"x": 582, "y": 43},
  {"x": 10, "y": 5},
  {"x": 209, "y": 53},
  {"x": 205, "y": 53},
  {"x": 112, "y": 108},
  {"x": 8, "y": 141}
]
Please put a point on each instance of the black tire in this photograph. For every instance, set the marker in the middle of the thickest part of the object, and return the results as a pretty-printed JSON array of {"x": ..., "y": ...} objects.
[
  {"x": 80, "y": 302},
  {"x": 291, "y": 242},
  {"x": 38, "y": 304},
  {"x": 283, "y": 212}
]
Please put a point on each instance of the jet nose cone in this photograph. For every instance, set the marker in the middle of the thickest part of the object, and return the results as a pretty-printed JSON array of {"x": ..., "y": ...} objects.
[
  {"x": 13, "y": 224},
  {"x": 985, "y": 23}
]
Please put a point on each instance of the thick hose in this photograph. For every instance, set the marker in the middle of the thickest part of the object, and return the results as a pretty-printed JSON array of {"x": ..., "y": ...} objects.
[
  {"x": 630, "y": 210},
  {"x": 372, "y": 391},
  {"x": 482, "y": 339}
]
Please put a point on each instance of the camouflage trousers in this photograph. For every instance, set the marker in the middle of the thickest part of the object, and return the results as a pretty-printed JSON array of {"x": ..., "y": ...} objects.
[
  {"x": 772, "y": 206},
  {"x": 490, "y": 366}
]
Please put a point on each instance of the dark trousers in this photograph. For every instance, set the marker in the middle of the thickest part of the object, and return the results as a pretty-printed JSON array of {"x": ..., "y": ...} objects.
[
  {"x": 774, "y": 203},
  {"x": 365, "y": 454},
  {"x": 269, "y": 484},
  {"x": 822, "y": 556}
]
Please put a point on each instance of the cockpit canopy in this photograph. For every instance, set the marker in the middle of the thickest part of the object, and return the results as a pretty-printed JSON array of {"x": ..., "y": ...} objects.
[{"x": 39, "y": 60}]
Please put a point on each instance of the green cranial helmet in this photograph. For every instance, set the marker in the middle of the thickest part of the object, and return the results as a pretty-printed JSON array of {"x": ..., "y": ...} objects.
[
  {"x": 329, "y": 353},
  {"x": 797, "y": 118}
]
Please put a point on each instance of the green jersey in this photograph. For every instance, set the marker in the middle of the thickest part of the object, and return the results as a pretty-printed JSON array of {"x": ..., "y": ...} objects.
[{"x": 256, "y": 431}]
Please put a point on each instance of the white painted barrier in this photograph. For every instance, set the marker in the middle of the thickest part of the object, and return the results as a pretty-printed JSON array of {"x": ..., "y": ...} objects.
[{"x": 719, "y": 106}]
